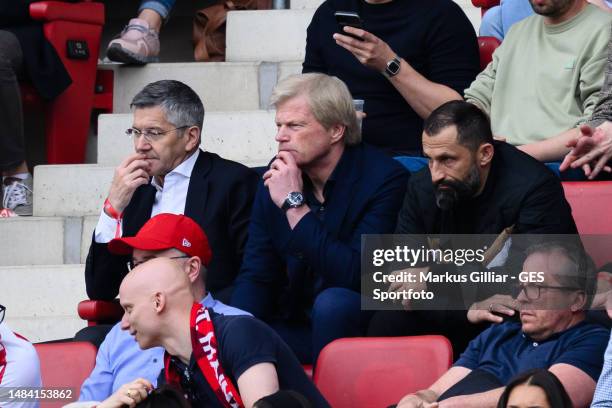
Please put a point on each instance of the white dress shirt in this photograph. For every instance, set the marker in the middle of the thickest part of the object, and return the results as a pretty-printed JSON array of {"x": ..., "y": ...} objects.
[{"x": 170, "y": 198}]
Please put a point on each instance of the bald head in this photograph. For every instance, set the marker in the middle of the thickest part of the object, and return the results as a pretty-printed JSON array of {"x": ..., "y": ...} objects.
[{"x": 155, "y": 296}]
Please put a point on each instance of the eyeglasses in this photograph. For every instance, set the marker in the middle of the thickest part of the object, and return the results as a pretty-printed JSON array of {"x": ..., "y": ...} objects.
[
  {"x": 150, "y": 135},
  {"x": 131, "y": 264},
  {"x": 533, "y": 292},
  {"x": 2, "y": 312}
]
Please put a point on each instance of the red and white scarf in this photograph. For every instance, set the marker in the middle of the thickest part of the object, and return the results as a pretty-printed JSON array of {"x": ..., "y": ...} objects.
[{"x": 204, "y": 344}]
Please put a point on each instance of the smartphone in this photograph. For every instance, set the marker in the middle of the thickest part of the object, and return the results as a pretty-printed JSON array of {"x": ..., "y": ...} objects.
[{"x": 348, "y": 18}]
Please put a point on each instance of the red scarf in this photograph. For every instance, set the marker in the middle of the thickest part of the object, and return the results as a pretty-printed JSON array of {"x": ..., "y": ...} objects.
[{"x": 204, "y": 344}]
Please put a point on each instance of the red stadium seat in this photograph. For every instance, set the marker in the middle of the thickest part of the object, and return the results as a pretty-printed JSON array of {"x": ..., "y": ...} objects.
[
  {"x": 591, "y": 203},
  {"x": 67, "y": 117},
  {"x": 65, "y": 365},
  {"x": 100, "y": 311},
  {"x": 379, "y": 371},
  {"x": 486, "y": 47},
  {"x": 484, "y": 5}
]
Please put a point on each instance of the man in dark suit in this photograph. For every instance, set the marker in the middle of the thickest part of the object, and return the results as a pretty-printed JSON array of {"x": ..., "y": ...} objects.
[
  {"x": 324, "y": 189},
  {"x": 169, "y": 173}
]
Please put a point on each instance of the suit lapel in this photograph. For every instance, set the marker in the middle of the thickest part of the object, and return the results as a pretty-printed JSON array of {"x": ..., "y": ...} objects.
[
  {"x": 136, "y": 216},
  {"x": 197, "y": 193}
]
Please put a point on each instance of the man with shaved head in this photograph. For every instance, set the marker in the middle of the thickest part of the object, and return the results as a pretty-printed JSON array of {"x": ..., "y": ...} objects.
[
  {"x": 171, "y": 236},
  {"x": 221, "y": 361}
]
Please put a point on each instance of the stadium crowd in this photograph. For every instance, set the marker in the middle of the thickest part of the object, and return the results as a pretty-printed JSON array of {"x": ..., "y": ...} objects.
[{"x": 232, "y": 278}]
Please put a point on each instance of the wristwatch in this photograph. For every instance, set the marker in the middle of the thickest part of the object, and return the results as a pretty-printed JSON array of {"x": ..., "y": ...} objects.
[
  {"x": 294, "y": 199},
  {"x": 393, "y": 67}
]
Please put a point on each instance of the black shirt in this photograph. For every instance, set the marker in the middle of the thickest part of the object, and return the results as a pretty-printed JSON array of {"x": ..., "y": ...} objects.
[
  {"x": 519, "y": 191},
  {"x": 243, "y": 342},
  {"x": 434, "y": 37}
]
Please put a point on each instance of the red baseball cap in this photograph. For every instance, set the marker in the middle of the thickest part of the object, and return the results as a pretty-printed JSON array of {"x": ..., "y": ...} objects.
[{"x": 166, "y": 231}]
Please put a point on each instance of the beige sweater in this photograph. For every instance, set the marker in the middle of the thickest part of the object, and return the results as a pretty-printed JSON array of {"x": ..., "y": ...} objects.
[{"x": 544, "y": 79}]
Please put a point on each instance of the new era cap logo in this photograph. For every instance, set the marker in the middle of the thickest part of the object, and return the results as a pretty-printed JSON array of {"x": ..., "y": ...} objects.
[{"x": 186, "y": 243}]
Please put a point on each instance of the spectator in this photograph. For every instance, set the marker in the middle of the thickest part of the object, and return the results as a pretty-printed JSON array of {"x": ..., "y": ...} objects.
[
  {"x": 169, "y": 173},
  {"x": 592, "y": 149},
  {"x": 139, "y": 394},
  {"x": 138, "y": 43},
  {"x": 24, "y": 53},
  {"x": 324, "y": 189},
  {"x": 221, "y": 361},
  {"x": 603, "y": 392},
  {"x": 535, "y": 388},
  {"x": 551, "y": 334},
  {"x": 528, "y": 106},
  {"x": 412, "y": 57},
  {"x": 119, "y": 359},
  {"x": 474, "y": 185},
  {"x": 19, "y": 365},
  {"x": 283, "y": 399},
  {"x": 498, "y": 19}
]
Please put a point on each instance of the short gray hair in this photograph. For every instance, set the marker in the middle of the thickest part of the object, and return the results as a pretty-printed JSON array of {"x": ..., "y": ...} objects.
[
  {"x": 181, "y": 105},
  {"x": 579, "y": 272},
  {"x": 330, "y": 101}
]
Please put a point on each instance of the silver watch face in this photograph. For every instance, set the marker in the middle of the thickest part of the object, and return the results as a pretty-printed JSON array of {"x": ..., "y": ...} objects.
[
  {"x": 295, "y": 198},
  {"x": 393, "y": 67}
]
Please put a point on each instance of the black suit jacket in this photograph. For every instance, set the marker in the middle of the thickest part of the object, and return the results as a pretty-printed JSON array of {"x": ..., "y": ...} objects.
[{"x": 219, "y": 199}]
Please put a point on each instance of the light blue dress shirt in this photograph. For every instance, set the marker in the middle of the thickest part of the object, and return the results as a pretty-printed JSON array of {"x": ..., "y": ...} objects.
[
  {"x": 120, "y": 360},
  {"x": 603, "y": 392}
]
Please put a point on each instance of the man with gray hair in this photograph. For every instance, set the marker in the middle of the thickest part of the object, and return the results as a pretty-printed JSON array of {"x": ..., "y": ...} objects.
[
  {"x": 322, "y": 191},
  {"x": 169, "y": 173}
]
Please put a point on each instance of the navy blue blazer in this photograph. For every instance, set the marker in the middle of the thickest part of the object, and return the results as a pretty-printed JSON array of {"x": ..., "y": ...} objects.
[{"x": 278, "y": 262}]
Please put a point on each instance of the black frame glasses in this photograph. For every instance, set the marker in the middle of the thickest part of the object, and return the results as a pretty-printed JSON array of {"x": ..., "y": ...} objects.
[
  {"x": 150, "y": 135},
  {"x": 533, "y": 292},
  {"x": 131, "y": 264},
  {"x": 2, "y": 313}
]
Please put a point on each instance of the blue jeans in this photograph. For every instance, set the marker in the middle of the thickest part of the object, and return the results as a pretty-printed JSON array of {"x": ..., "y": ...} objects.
[
  {"x": 336, "y": 313},
  {"x": 161, "y": 7}
]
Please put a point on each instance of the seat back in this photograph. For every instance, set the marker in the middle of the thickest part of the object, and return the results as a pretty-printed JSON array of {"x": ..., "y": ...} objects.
[
  {"x": 65, "y": 366},
  {"x": 484, "y": 5},
  {"x": 486, "y": 47},
  {"x": 591, "y": 203},
  {"x": 379, "y": 371}
]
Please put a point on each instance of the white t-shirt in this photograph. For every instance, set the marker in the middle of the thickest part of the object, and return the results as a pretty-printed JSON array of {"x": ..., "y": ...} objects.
[{"x": 19, "y": 367}]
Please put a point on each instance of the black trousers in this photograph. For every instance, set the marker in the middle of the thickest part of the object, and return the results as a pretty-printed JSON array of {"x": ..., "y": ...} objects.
[{"x": 12, "y": 144}]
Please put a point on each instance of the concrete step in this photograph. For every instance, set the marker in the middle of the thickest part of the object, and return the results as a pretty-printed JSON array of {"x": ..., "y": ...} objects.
[
  {"x": 41, "y": 301},
  {"x": 45, "y": 240},
  {"x": 70, "y": 190},
  {"x": 243, "y": 136},
  {"x": 223, "y": 86},
  {"x": 280, "y": 35}
]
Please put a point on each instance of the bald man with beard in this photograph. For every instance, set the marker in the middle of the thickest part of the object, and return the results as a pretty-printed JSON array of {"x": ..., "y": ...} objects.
[{"x": 221, "y": 361}]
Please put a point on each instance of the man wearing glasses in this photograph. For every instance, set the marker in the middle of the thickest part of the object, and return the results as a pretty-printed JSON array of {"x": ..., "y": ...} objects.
[
  {"x": 552, "y": 333},
  {"x": 119, "y": 359},
  {"x": 19, "y": 365},
  {"x": 169, "y": 173}
]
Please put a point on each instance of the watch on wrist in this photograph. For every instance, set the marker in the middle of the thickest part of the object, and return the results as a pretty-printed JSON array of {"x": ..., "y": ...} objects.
[
  {"x": 294, "y": 199},
  {"x": 393, "y": 67}
]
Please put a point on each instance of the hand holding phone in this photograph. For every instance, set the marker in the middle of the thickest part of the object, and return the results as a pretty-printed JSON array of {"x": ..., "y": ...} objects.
[{"x": 348, "y": 18}]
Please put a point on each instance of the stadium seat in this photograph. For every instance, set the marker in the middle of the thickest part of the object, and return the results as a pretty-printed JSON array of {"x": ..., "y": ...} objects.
[
  {"x": 100, "y": 311},
  {"x": 65, "y": 366},
  {"x": 67, "y": 117},
  {"x": 484, "y": 5},
  {"x": 591, "y": 202},
  {"x": 486, "y": 46},
  {"x": 379, "y": 371}
]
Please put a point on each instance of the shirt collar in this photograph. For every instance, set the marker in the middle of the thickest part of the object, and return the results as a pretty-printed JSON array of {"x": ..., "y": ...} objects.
[{"x": 184, "y": 169}]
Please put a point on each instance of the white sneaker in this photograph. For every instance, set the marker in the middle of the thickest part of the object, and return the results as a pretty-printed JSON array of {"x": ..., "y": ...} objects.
[{"x": 17, "y": 195}]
